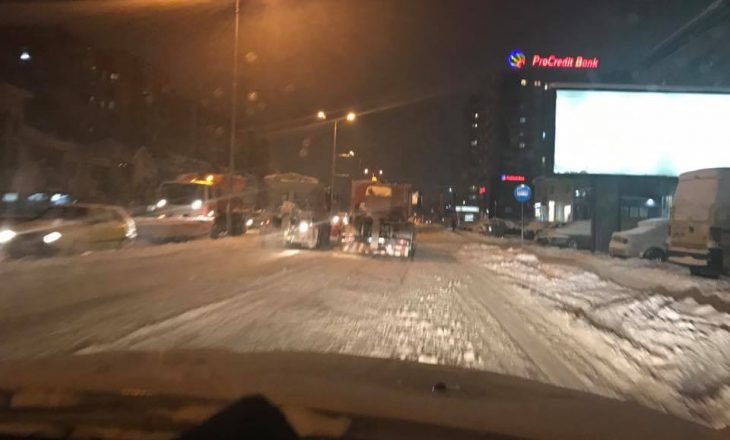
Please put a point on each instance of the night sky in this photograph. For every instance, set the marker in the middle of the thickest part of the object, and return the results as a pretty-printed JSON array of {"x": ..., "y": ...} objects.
[{"x": 407, "y": 65}]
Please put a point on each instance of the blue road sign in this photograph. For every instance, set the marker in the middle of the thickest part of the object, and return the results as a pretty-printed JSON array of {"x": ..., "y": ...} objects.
[{"x": 523, "y": 193}]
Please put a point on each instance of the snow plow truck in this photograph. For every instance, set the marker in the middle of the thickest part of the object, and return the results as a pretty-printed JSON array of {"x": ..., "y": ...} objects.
[{"x": 380, "y": 220}]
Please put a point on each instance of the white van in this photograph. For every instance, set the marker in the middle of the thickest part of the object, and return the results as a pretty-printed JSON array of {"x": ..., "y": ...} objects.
[{"x": 699, "y": 226}]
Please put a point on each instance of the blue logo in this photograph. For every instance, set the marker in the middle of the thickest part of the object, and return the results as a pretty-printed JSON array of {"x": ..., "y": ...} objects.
[{"x": 523, "y": 193}]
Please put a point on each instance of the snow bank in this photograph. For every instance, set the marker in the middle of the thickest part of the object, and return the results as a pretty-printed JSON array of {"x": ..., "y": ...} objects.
[{"x": 661, "y": 350}]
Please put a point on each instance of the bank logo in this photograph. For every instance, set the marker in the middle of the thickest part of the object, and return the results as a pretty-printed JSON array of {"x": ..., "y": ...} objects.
[{"x": 516, "y": 59}]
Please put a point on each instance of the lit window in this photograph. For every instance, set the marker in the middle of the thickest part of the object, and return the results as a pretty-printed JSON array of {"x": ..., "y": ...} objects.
[
  {"x": 545, "y": 86},
  {"x": 544, "y": 135},
  {"x": 112, "y": 105},
  {"x": 523, "y": 120},
  {"x": 476, "y": 115},
  {"x": 475, "y": 125},
  {"x": 537, "y": 83},
  {"x": 114, "y": 76},
  {"x": 474, "y": 143},
  {"x": 523, "y": 82},
  {"x": 522, "y": 145}
]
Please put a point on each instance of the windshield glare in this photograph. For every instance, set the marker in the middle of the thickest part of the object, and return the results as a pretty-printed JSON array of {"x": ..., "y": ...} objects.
[
  {"x": 181, "y": 193},
  {"x": 530, "y": 194}
]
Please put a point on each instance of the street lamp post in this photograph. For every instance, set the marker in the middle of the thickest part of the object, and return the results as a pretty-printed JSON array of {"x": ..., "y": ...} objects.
[
  {"x": 234, "y": 105},
  {"x": 350, "y": 117},
  {"x": 334, "y": 160}
]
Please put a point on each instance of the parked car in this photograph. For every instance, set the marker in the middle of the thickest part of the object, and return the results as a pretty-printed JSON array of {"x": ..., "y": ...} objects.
[
  {"x": 700, "y": 222},
  {"x": 67, "y": 229},
  {"x": 647, "y": 240},
  {"x": 575, "y": 235},
  {"x": 500, "y": 227},
  {"x": 535, "y": 232}
]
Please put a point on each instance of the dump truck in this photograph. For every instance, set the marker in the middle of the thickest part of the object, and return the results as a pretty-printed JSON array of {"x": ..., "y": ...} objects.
[
  {"x": 208, "y": 196},
  {"x": 380, "y": 219},
  {"x": 299, "y": 209}
]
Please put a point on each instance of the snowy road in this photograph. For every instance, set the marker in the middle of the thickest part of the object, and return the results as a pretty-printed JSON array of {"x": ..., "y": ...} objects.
[{"x": 461, "y": 302}]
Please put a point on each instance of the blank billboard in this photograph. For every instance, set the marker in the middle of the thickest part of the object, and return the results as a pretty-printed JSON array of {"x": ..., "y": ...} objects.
[{"x": 640, "y": 133}]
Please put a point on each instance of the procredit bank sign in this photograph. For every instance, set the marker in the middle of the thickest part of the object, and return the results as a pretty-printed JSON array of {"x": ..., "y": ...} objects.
[{"x": 518, "y": 60}]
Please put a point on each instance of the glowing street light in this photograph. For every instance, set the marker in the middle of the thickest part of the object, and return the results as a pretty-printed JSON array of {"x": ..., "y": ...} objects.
[
  {"x": 350, "y": 117},
  {"x": 352, "y": 153},
  {"x": 366, "y": 171},
  {"x": 380, "y": 172}
]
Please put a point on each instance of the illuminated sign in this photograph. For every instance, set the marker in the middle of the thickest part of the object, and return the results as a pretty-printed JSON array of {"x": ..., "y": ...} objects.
[
  {"x": 554, "y": 61},
  {"x": 512, "y": 178},
  {"x": 474, "y": 209},
  {"x": 516, "y": 59},
  {"x": 482, "y": 190}
]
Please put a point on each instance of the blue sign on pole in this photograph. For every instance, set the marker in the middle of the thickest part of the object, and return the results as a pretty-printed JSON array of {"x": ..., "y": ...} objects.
[{"x": 523, "y": 193}]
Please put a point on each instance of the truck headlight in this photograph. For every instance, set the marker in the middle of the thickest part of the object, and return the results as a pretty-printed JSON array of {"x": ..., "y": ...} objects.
[
  {"x": 6, "y": 235},
  {"x": 303, "y": 227},
  {"x": 161, "y": 203},
  {"x": 197, "y": 204},
  {"x": 51, "y": 237}
]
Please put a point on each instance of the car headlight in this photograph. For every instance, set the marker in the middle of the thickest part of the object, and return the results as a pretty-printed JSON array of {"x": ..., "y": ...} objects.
[
  {"x": 335, "y": 219},
  {"x": 161, "y": 203},
  {"x": 303, "y": 227},
  {"x": 249, "y": 222},
  {"x": 6, "y": 235},
  {"x": 211, "y": 213},
  {"x": 197, "y": 204},
  {"x": 51, "y": 237},
  {"x": 131, "y": 230}
]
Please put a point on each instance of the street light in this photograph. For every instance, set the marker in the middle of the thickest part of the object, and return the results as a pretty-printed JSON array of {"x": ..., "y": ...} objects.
[
  {"x": 380, "y": 172},
  {"x": 234, "y": 110},
  {"x": 349, "y": 117},
  {"x": 366, "y": 171}
]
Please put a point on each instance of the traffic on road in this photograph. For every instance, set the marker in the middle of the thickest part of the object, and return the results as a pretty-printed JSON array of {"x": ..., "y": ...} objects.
[{"x": 364, "y": 219}]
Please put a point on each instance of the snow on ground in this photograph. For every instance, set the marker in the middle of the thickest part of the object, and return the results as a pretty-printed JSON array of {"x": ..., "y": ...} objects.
[
  {"x": 666, "y": 352},
  {"x": 634, "y": 273}
]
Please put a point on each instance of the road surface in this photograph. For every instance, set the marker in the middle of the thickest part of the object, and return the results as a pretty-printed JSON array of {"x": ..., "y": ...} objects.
[{"x": 461, "y": 302}]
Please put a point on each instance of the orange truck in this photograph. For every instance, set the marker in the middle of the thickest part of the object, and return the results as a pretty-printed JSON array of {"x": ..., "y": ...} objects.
[
  {"x": 380, "y": 219},
  {"x": 209, "y": 196}
]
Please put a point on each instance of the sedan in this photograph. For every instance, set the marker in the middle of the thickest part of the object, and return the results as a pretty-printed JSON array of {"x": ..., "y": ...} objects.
[{"x": 68, "y": 229}]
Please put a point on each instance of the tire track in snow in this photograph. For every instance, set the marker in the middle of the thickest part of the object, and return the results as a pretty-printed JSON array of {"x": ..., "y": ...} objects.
[
  {"x": 493, "y": 298},
  {"x": 221, "y": 323}
]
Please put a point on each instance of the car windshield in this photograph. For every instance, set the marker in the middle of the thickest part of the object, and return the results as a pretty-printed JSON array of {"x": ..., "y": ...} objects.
[
  {"x": 441, "y": 182},
  {"x": 64, "y": 213},
  {"x": 181, "y": 193}
]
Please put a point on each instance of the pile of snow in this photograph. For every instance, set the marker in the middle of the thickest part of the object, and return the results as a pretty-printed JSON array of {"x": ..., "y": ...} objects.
[{"x": 669, "y": 353}]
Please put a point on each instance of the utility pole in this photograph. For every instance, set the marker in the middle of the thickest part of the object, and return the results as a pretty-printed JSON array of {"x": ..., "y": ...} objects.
[
  {"x": 234, "y": 105},
  {"x": 334, "y": 159}
]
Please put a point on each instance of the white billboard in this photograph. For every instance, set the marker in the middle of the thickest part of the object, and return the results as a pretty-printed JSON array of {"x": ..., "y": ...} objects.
[{"x": 640, "y": 133}]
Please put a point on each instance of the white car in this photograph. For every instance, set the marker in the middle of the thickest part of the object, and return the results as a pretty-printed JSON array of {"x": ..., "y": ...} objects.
[
  {"x": 647, "y": 240},
  {"x": 575, "y": 235}
]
